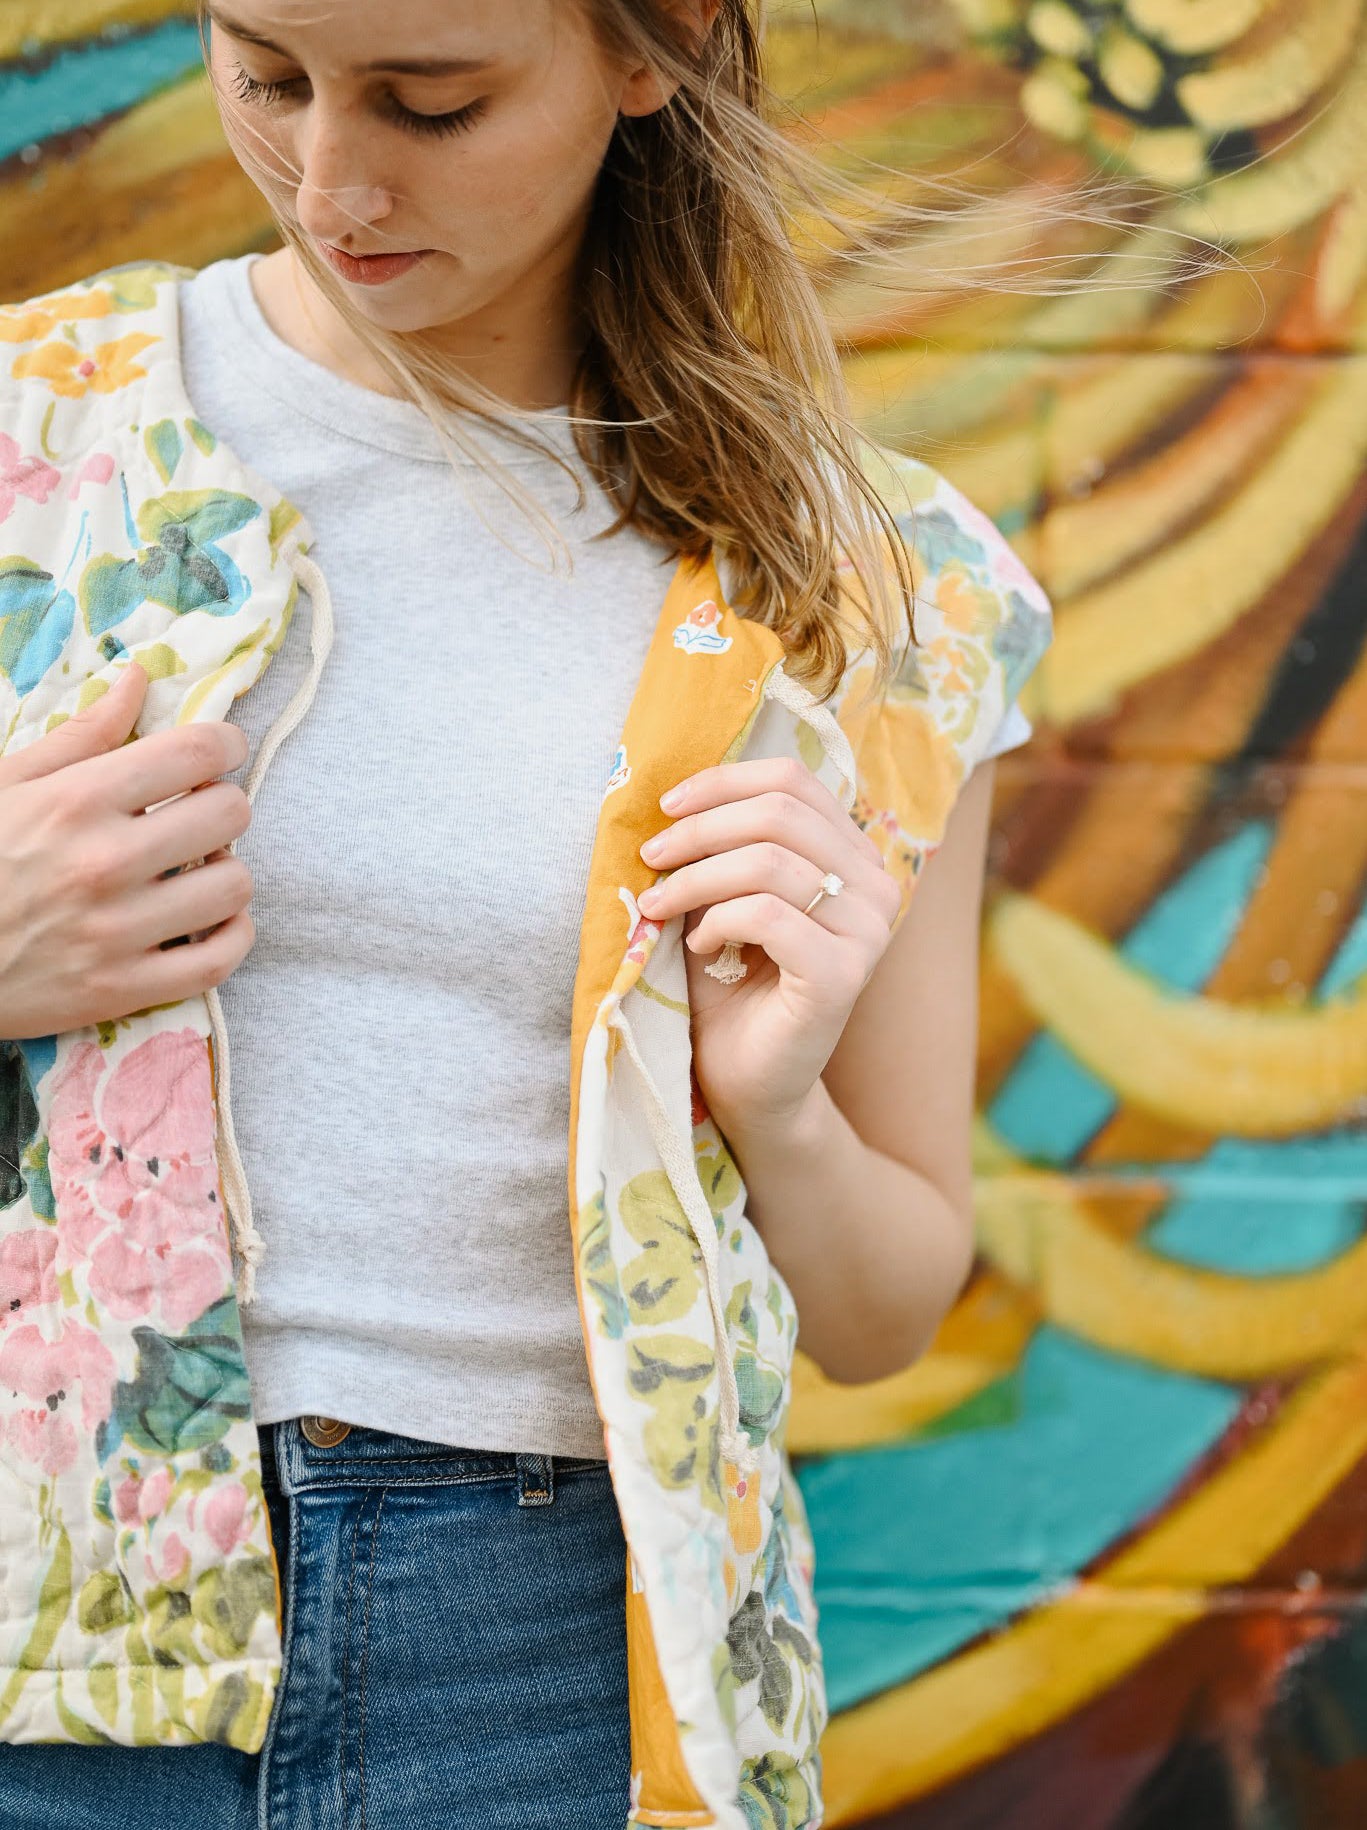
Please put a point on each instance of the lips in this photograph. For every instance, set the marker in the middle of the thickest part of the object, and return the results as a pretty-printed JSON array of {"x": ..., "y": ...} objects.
[{"x": 369, "y": 269}]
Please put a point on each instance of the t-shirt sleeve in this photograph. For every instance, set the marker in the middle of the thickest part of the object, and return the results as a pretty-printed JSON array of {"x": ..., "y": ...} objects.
[
  {"x": 1013, "y": 731},
  {"x": 982, "y": 624}
]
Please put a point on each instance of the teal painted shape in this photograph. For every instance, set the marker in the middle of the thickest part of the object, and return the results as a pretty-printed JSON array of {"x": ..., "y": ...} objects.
[
  {"x": 1267, "y": 1209},
  {"x": 1349, "y": 964},
  {"x": 1050, "y": 1105},
  {"x": 91, "y": 79},
  {"x": 923, "y": 1546},
  {"x": 1261, "y": 1209}
]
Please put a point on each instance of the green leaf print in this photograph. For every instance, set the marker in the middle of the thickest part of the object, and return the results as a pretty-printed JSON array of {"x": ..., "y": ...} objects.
[
  {"x": 720, "y": 1180},
  {"x": 135, "y": 289},
  {"x": 36, "y": 618},
  {"x": 77, "y": 1729},
  {"x": 54, "y": 1604},
  {"x": 180, "y": 566},
  {"x": 171, "y": 1628},
  {"x": 668, "y": 1373},
  {"x": 774, "y": 1795},
  {"x": 103, "y": 1603},
  {"x": 761, "y": 1390},
  {"x": 600, "y": 1273},
  {"x": 720, "y": 1177},
  {"x": 103, "y": 1682},
  {"x": 227, "y": 1599},
  {"x": 164, "y": 446},
  {"x": 754, "y": 1655},
  {"x": 231, "y": 1712},
  {"x": 187, "y": 1391},
  {"x": 662, "y": 1283},
  {"x": 18, "y": 1122}
]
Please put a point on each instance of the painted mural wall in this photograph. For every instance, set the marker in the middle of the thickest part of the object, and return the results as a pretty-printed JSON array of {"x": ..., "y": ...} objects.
[{"x": 1109, "y": 1563}]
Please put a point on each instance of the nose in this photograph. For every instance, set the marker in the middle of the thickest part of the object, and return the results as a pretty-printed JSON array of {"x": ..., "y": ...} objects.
[{"x": 336, "y": 195}]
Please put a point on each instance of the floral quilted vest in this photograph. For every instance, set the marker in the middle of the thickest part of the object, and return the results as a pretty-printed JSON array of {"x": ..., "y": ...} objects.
[{"x": 139, "y": 1590}]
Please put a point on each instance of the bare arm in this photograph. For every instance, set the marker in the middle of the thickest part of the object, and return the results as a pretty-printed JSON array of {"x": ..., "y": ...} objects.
[{"x": 865, "y": 1198}]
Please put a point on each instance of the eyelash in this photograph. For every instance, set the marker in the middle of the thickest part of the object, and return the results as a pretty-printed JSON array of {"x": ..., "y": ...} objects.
[{"x": 459, "y": 120}]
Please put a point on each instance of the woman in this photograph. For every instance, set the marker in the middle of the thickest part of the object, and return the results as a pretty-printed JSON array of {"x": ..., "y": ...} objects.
[{"x": 534, "y": 286}]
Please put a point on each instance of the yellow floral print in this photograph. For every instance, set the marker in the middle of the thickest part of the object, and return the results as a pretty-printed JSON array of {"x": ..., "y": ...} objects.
[
  {"x": 26, "y": 324},
  {"x": 72, "y": 372}
]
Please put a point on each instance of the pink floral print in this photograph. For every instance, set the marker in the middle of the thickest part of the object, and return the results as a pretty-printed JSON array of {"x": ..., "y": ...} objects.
[
  {"x": 51, "y": 1371},
  {"x": 22, "y": 476},
  {"x": 226, "y": 1517},
  {"x": 135, "y": 1179},
  {"x": 136, "y": 1498},
  {"x": 97, "y": 469},
  {"x": 26, "y": 1277},
  {"x": 43, "y": 1438}
]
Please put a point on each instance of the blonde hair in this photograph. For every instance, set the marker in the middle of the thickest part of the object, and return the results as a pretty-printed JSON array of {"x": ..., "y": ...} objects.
[{"x": 709, "y": 401}]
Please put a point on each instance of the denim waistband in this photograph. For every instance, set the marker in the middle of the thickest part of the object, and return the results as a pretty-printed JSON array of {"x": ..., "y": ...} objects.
[{"x": 369, "y": 1457}]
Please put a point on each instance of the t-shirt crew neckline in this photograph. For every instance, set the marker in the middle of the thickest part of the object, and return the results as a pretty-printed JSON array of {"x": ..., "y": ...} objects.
[{"x": 360, "y": 413}]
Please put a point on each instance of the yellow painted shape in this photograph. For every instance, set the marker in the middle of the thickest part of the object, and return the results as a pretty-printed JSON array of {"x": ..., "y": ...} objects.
[
  {"x": 1246, "y": 1070},
  {"x": 980, "y": 1342},
  {"x": 1283, "y": 75},
  {"x": 1167, "y": 610},
  {"x": 1342, "y": 265},
  {"x": 963, "y": 1714},
  {"x": 1195, "y": 26},
  {"x": 1296, "y": 183},
  {"x": 60, "y": 21},
  {"x": 1036, "y": 1228},
  {"x": 1146, "y": 508},
  {"x": 160, "y": 175},
  {"x": 1130, "y": 68}
]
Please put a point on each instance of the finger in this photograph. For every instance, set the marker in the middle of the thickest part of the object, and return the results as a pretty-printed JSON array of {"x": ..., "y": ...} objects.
[
  {"x": 832, "y": 964},
  {"x": 166, "y": 763},
  {"x": 775, "y": 817},
  {"x": 190, "y": 903},
  {"x": 167, "y": 975},
  {"x": 760, "y": 869},
  {"x": 769, "y": 775},
  {"x": 101, "y": 727},
  {"x": 207, "y": 819}
]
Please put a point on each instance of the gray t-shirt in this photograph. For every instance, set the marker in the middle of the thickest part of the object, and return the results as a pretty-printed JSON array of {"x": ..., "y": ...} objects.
[{"x": 408, "y": 1166}]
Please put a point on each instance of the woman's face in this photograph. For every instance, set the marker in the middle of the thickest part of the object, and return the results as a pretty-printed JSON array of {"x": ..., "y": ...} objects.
[{"x": 486, "y": 161}]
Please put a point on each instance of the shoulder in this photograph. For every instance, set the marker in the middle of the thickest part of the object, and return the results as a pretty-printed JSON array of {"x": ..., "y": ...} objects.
[
  {"x": 968, "y": 577},
  {"x": 85, "y": 344},
  {"x": 105, "y": 297},
  {"x": 982, "y": 623}
]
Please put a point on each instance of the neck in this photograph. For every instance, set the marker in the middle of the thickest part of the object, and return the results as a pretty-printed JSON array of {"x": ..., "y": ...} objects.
[{"x": 522, "y": 347}]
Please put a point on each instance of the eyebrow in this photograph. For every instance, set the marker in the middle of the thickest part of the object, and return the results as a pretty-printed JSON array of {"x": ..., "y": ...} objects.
[{"x": 403, "y": 66}]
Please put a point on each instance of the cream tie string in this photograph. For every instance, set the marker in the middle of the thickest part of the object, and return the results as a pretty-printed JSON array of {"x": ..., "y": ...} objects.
[{"x": 242, "y": 1231}]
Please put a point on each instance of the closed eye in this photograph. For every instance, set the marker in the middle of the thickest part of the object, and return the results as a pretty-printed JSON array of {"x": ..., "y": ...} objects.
[{"x": 457, "y": 120}]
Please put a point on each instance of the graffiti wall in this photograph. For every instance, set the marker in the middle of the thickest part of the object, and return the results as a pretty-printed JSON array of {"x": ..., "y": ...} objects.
[
  {"x": 1112, "y": 1532},
  {"x": 1114, "y": 1528}
]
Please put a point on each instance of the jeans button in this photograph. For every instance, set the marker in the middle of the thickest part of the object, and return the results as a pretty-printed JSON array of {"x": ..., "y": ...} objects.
[{"x": 324, "y": 1432}]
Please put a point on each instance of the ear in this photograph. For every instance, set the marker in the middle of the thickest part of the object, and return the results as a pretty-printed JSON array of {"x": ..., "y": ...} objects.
[{"x": 645, "y": 91}]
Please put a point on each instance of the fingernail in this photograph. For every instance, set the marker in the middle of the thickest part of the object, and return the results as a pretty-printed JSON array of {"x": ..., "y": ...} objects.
[
  {"x": 675, "y": 797},
  {"x": 653, "y": 847}
]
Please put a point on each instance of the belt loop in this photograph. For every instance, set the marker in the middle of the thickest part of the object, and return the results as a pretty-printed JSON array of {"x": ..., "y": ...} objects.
[{"x": 535, "y": 1480}]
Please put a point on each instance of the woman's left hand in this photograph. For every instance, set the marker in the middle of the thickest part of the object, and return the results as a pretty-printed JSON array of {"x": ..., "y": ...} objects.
[{"x": 750, "y": 844}]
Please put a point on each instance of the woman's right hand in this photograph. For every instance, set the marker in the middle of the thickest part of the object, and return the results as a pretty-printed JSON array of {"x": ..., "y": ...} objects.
[{"x": 85, "y": 907}]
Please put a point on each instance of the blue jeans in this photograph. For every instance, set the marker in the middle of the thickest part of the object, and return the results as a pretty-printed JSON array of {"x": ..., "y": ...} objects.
[{"x": 455, "y": 1659}]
